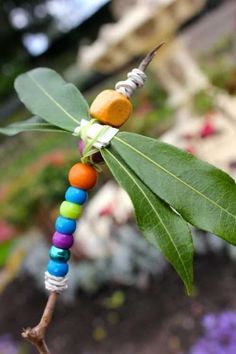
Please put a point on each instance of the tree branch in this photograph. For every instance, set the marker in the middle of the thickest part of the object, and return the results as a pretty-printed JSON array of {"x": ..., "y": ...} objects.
[{"x": 36, "y": 335}]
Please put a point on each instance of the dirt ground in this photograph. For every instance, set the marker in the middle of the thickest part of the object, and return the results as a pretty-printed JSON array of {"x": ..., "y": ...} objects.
[{"x": 158, "y": 320}]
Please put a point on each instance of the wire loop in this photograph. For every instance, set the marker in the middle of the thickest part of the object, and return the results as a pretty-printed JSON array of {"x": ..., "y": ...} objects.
[
  {"x": 57, "y": 284},
  {"x": 136, "y": 78}
]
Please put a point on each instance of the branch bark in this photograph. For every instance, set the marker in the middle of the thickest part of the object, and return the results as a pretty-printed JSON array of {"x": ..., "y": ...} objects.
[
  {"x": 148, "y": 58},
  {"x": 36, "y": 335}
]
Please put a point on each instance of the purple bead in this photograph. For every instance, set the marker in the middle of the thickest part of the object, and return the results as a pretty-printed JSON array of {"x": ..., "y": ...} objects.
[{"x": 62, "y": 240}]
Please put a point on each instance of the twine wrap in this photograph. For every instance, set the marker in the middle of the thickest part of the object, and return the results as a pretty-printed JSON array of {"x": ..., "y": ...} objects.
[
  {"x": 136, "y": 78},
  {"x": 57, "y": 284},
  {"x": 97, "y": 135}
]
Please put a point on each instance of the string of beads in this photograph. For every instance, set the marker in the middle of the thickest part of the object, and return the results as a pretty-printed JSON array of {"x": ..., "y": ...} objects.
[
  {"x": 82, "y": 177},
  {"x": 110, "y": 107}
]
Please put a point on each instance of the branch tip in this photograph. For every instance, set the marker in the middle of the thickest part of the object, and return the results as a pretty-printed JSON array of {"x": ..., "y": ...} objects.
[{"x": 148, "y": 58}]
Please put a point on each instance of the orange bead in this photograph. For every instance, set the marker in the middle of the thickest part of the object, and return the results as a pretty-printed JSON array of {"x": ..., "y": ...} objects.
[
  {"x": 82, "y": 176},
  {"x": 111, "y": 107}
]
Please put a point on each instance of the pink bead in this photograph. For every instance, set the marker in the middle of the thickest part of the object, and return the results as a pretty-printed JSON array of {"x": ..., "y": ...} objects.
[
  {"x": 81, "y": 146},
  {"x": 62, "y": 240}
]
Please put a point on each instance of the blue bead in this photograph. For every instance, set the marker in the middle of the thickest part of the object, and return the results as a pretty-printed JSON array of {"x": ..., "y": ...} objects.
[
  {"x": 76, "y": 195},
  {"x": 58, "y": 269},
  {"x": 59, "y": 254},
  {"x": 65, "y": 225}
]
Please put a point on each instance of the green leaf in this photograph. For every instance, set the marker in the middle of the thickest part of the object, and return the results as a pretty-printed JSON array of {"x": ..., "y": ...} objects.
[
  {"x": 161, "y": 226},
  {"x": 32, "y": 124},
  {"x": 204, "y": 195},
  {"x": 48, "y": 96}
]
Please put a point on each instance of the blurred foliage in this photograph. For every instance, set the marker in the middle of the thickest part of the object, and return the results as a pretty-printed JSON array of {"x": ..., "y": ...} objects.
[
  {"x": 114, "y": 301},
  {"x": 203, "y": 103},
  {"x": 18, "y": 152},
  {"x": 63, "y": 44},
  {"x": 152, "y": 113},
  {"x": 219, "y": 64},
  {"x": 231, "y": 82},
  {"x": 40, "y": 188},
  {"x": 221, "y": 75},
  {"x": 99, "y": 333},
  {"x": 14, "y": 58},
  {"x": 9, "y": 72},
  {"x": 223, "y": 45},
  {"x": 5, "y": 249},
  {"x": 225, "y": 78}
]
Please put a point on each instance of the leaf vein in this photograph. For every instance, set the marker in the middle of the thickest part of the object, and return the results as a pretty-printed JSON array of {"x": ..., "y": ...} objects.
[
  {"x": 174, "y": 176},
  {"x": 153, "y": 208},
  {"x": 52, "y": 99}
]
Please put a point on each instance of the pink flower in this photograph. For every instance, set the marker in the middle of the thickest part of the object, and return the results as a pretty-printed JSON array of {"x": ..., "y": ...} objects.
[{"x": 7, "y": 231}]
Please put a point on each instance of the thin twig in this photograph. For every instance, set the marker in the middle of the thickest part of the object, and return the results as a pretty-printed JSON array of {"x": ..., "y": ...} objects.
[
  {"x": 148, "y": 58},
  {"x": 36, "y": 335}
]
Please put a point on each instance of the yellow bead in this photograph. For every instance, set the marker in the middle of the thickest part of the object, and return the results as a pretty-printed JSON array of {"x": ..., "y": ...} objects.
[
  {"x": 70, "y": 210},
  {"x": 111, "y": 107}
]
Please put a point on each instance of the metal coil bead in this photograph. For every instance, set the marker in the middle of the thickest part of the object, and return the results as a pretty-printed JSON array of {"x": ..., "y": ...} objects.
[
  {"x": 53, "y": 283},
  {"x": 136, "y": 78}
]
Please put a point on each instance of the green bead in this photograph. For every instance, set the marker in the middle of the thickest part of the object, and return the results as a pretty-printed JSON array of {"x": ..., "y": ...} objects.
[
  {"x": 59, "y": 254},
  {"x": 70, "y": 210}
]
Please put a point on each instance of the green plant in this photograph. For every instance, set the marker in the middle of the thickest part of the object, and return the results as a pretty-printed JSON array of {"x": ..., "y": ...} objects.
[
  {"x": 169, "y": 187},
  {"x": 203, "y": 103},
  {"x": 41, "y": 187},
  {"x": 221, "y": 73}
]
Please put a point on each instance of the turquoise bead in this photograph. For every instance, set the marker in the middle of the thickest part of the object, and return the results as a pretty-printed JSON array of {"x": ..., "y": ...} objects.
[
  {"x": 58, "y": 269},
  {"x": 76, "y": 195},
  {"x": 65, "y": 225},
  {"x": 59, "y": 254}
]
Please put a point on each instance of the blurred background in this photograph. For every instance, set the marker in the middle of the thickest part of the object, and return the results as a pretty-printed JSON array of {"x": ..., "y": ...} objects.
[{"x": 122, "y": 296}]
